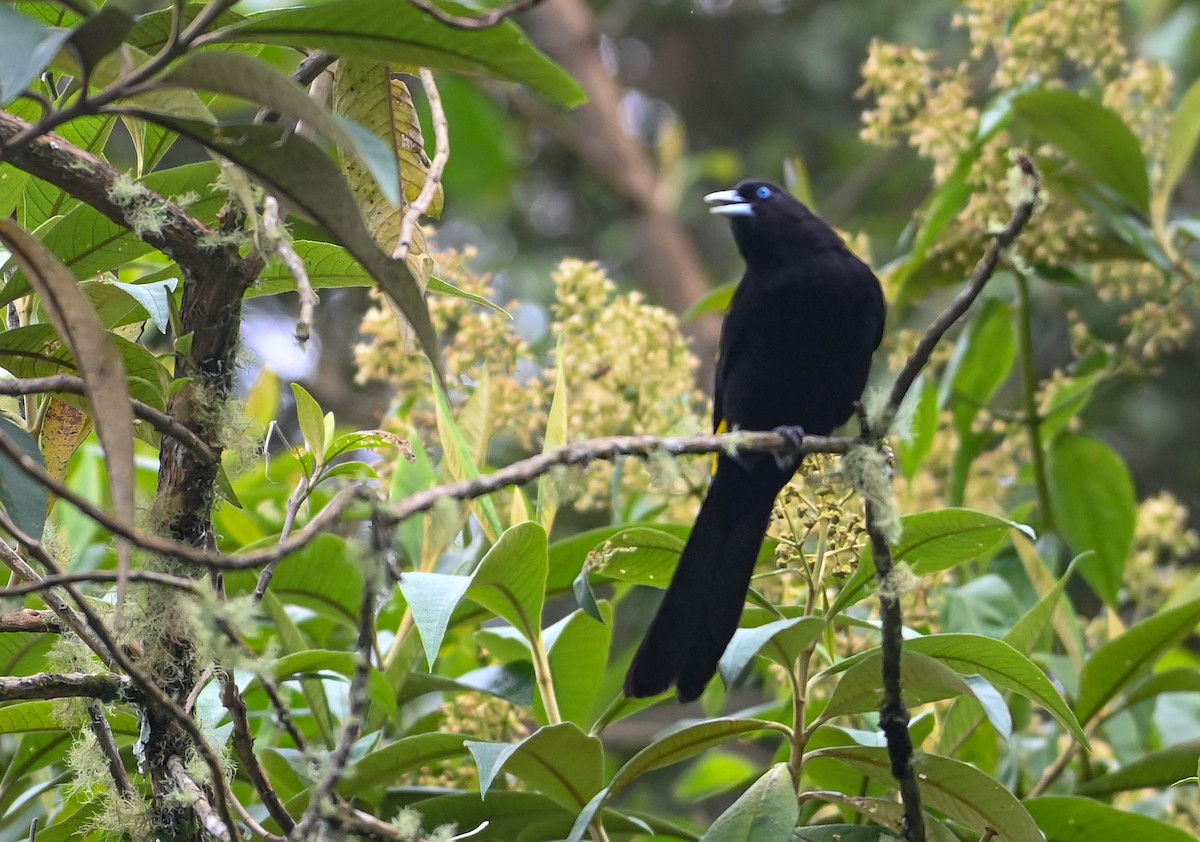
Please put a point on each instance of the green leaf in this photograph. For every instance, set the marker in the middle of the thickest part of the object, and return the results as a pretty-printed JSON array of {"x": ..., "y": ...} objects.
[
  {"x": 323, "y": 577},
  {"x": 292, "y": 641},
  {"x": 511, "y": 579},
  {"x": 100, "y": 34},
  {"x": 444, "y": 287},
  {"x": 556, "y": 437},
  {"x": 860, "y": 689},
  {"x": 24, "y": 498},
  {"x": 1073, "y": 123},
  {"x": 679, "y": 744},
  {"x": 312, "y": 422},
  {"x": 1095, "y": 506},
  {"x": 26, "y": 49},
  {"x": 917, "y": 424},
  {"x": 560, "y": 761},
  {"x": 302, "y": 174},
  {"x": 715, "y": 773},
  {"x": 766, "y": 812},
  {"x": 982, "y": 360},
  {"x": 1180, "y": 148},
  {"x": 432, "y": 598},
  {"x": 1118, "y": 663},
  {"x": 251, "y": 78},
  {"x": 716, "y": 300},
  {"x": 1064, "y": 818},
  {"x": 458, "y": 456},
  {"x": 1178, "y": 680},
  {"x": 45, "y": 715},
  {"x": 845, "y": 833},
  {"x": 781, "y": 641},
  {"x": 1000, "y": 664},
  {"x": 386, "y": 765},
  {"x": 344, "y": 664},
  {"x": 958, "y": 789},
  {"x": 578, "y": 645},
  {"x": 408, "y": 36},
  {"x": 153, "y": 298},
  {"x": 1153, "y": 770},
  {"x": 638, "y": 554}
]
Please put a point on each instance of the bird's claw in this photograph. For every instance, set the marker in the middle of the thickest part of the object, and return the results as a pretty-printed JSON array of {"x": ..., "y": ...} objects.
[{"x": 794, "y": 436}]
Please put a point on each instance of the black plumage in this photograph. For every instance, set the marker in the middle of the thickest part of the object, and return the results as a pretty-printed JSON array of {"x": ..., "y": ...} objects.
[{"x": 795, "y": 351}]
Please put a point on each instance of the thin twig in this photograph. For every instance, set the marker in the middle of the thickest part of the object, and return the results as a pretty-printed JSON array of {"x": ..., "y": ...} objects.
[
  {"x": 108, "y": 746},
  {"x": 433, "y": 178},
  {"x": 484, "y": 21},
  {"x": 243, "y": 744},
  {"x": 277, "y": 239},
  {"x": 255, "y": 828},
  {"x": 323, "y": 795},
  {"x": 45, "y": 583},
  {"x": 211, "y": 823},
  {"x": 71, "y": 385}
]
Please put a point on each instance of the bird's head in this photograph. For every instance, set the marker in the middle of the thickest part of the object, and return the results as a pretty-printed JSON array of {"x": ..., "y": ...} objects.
[{"x": 771, "y": 225}]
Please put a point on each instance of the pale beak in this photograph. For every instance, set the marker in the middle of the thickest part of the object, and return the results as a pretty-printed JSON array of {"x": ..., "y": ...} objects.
[{"x": 729, "y": 203}]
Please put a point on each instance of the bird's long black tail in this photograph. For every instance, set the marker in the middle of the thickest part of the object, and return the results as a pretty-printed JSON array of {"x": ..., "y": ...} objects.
[{"x": 701, "y": 609}]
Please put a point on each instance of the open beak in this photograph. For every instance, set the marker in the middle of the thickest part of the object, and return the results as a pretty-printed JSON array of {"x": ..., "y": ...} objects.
[{"x": 729, "y": 203}]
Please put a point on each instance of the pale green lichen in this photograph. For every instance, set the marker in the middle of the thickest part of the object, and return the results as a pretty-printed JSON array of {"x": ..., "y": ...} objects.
[{"x": 868, "y": 471}]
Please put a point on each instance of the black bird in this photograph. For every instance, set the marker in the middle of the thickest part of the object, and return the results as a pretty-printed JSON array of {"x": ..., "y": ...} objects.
[{"x": 795, "y": 351}]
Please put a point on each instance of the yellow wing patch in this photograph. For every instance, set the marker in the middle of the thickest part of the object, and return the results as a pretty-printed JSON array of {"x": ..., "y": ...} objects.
[{"x": 722, "y": 427}]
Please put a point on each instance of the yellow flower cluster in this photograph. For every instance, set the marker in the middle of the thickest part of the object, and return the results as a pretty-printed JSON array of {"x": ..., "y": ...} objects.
[
  {"x": 628, "y": 371},
  {"x": 478, "y": 342},
  {"x": 475, "y": 716}
]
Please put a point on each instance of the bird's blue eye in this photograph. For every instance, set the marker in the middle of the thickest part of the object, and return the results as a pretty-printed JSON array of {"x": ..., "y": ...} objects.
[{"x": 763, "y": 192}]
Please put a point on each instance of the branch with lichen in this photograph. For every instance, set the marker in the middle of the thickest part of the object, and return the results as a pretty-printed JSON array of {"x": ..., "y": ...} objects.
[
  {"x": 872, "y": 477},
  {"x": 104, "y": 687}
]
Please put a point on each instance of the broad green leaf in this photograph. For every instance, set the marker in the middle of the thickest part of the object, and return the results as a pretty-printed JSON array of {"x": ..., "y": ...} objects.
[
  {"x": 388, "y": 764},
  {"x": 1000, "y": 664},
  {"x": 556, "y": 437},
  {"x": 24, "y": 653},
  {"x": 24, "y": 498},
  {"x": 26, "y": 49},
  {"x": 1178, "y": 680},
  {"x": 409, "y": 37},
  {"x": 715, "y": 773},
  {"x": 511, "y": 579},
  {"x": 513, "y": 682},
  {"x": 298, "y": 172},
  {"x": 845, "y": 833},
  {"x": 458, "y": 456},
  {"x": 251, "y": 78},
  {"x": 291, "y": 641},
  {"x": 982, "y": 360},
  {"x": 407, "y": 479},
  {"x": 930, "y": 542},
  {"x": 323, "y": 577},
  {"x": 1095, "y": 507},
  {"x": 153, "y": 298},
  {"x": 781, "y": 641},
  {"x": 1180, "y": 148},
  {"x": 315, "y": 661},
  {"x": 766, "y": 812},
  {"x": 1072, "y": 123},
  {"x": 638, "y": 554},
  {"x": 45, "y": 715},
  {"x": 432, "y": 598},
  {"x": 578, "y": 645},
  {"x": 1064, "y": 818},
  {"x": 959, "y": 790},
  {"x": 1121, "y": 661},
  {"x": 716, "y": 300},
  {"x": 99, "y": 365},
  {"x": 560, "y": 761},
  {"x": 312, "y": 422},
  {"x": 100, "y": 34},
  {"x": 916, "y": 425},
  {"x": 33, "y": 752},
  {"x": 923, "y": 679},
  {"x": 679, "y": 744},
  {"x": 1154, "y": 770}
]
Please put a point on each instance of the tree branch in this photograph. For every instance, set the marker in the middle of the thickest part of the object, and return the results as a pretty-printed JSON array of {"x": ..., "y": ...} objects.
[
  {"x": 103, "y": 687},
  {"x": 29, "y": 620},
  {"x": 211, "y": 823},
  {"x": 71, "y": 385}
]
